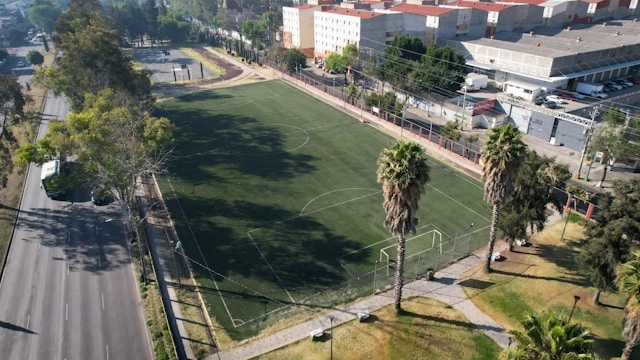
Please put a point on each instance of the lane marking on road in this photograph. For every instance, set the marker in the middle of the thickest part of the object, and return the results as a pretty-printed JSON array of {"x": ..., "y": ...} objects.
[
  {"x": 68, "y": 266},
  {"x": 102, "y": 295},
  {"x": 97, "y": 233},
  {"x": 99, "y": 261},
  {"x": 28, "y": 320},
  {"x": 66, "y": 312},
  {"x": 107, "y": 351}
]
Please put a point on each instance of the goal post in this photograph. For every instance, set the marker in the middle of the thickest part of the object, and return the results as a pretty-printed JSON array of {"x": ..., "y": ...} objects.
[{"x": 414, "y": 245}]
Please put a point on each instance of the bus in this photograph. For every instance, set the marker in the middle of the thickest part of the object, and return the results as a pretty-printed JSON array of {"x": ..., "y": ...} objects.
[{"x": 50, "y": 179}]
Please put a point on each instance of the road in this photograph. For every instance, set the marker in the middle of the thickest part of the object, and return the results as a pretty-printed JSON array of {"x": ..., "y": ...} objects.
[{"x": 68, "y": 290}]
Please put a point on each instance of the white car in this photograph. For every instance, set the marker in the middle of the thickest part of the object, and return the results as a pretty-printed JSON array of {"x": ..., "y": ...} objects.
[
  {"x": 599, "y": 94},
  {"x": 555, "y": 98}
]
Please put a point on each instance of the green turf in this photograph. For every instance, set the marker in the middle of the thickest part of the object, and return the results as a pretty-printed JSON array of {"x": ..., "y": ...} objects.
[{"x": 279, "y": 192}]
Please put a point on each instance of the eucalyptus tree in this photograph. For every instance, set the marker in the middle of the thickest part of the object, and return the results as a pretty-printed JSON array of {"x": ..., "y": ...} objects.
[{"x": 628, "y": 282}]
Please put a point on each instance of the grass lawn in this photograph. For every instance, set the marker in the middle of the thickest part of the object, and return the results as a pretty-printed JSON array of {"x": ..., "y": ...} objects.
[
  {"x": 545, "y": 276},
  {"x": 428, "y": 329},
  {"x": 275, "y": 198}
]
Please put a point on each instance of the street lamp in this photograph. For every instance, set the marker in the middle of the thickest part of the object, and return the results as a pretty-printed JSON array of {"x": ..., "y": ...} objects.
[
  {"x": 375, "y": 269},
  {"x": 576, "y": 298},
  {"x": 331, "y": 338}
]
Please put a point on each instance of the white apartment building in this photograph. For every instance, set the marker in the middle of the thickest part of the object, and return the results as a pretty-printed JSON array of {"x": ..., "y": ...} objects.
[
  {"x": 336, "y": 28},
  {"x": 297, "y": 26}
]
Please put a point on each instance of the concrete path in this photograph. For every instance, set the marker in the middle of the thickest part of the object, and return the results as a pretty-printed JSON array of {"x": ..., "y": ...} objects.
[{"x": 445, "y": 287}]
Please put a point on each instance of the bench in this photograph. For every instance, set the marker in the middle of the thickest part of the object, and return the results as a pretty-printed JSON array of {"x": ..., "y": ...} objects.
[
  {"x": 522, "y": 242},
  {"x": 316, "y": 334},
  {"x": 363, "y": 315}
]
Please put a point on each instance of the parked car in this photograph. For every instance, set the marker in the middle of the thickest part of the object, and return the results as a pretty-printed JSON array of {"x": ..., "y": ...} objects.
[
  {"x": 555, "y": 98},
  {"x": 568, "y": 96},
  {"x": 624, "y": 82},
  {"x": 20, "y": 63},
  {"x": 101, "y": 196},
  {"x": 633, "y": 80},
  {"x": 539, "y": 100},
  {"x": 608, "y": 88},
  {"x": 549, "y": 104},
  {"x": 599, "y": 94},
  {"x": 613, "y": 85}
]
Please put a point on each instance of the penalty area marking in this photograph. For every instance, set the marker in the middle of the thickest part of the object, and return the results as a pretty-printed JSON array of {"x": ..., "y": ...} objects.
[
  {"x": 373, "y": 192},
  {"x": 229, "y": 145}
]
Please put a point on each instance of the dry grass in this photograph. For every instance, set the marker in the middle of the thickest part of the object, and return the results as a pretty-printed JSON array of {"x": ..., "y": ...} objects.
[
  {"x": 428, "y": 329},
  {"x": 546, "y": 277}
]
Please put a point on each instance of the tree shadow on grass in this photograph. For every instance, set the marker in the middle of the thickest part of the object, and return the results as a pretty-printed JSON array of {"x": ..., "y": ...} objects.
[
  {"x": 463, "y": 324},
  {"x": 577, "y": 282},
  {"x": 564, "y": 257}
]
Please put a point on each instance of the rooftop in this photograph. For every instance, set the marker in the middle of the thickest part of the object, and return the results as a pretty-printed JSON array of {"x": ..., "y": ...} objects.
[
  {"x": 354, "y": 12},
  {"x": 481, "y": 5},
  {"x": 579, "y": 38},
  {"x": 424, "y": 10}
]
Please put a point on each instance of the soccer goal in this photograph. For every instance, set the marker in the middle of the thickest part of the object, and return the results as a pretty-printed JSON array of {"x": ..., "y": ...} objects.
[{"x": 429, "y": 240}]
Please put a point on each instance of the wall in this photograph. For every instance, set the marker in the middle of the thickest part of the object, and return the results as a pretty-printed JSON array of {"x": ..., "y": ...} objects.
[{"x": 541, "y": 126}]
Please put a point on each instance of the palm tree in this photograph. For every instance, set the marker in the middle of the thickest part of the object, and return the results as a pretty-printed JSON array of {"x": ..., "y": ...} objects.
[
  {"x": 403, "y": 173},
  {"x": 628, "y": 282},
  {"x": 550, "y": 337},
  {"x": 502, "y": 154}
]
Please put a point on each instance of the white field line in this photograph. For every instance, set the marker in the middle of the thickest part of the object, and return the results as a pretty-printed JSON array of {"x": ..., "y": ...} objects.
[
  {"x": 271, "y": 267},
  {"x": 459, "y": 203}
]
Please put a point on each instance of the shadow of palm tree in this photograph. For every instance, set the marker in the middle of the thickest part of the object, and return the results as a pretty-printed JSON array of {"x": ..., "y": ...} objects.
[{"x": 13, "y": 327}]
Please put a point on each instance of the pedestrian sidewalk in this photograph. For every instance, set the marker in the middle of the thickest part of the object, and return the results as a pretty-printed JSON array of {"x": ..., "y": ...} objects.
[{"x": 445, "y": 287}]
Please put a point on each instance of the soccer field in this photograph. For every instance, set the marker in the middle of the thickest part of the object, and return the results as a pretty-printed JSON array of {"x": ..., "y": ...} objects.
[{"x": 274, "y": 194}]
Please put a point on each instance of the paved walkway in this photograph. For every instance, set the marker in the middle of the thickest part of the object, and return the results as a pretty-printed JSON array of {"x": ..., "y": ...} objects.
[{"x": 445, "y": 287}]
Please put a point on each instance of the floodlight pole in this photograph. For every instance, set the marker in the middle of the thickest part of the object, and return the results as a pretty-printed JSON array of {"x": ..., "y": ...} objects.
[{"x": 576, "y": 298}]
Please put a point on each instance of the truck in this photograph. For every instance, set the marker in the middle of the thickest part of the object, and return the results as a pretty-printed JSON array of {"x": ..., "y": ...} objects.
[
  {"x": 591, "y": 89},
  {"x": 475, "y": 82},
  {"x": 51, "y": 179}
]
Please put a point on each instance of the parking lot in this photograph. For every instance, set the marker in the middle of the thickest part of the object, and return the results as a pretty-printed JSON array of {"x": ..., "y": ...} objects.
[{"x": 170, "y": 65}]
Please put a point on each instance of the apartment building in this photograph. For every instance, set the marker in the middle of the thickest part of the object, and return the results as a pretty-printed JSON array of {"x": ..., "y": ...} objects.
[{"x": 338, "y": 27}]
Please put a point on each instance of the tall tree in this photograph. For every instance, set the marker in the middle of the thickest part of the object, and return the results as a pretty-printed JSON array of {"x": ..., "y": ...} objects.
[
  {"x": 628, "y": 282},
  {"x": 550, "y": 337},
  {"x": 400, "y": 57},
  {"x": 502, "y": 155},
  {"x": 91, "y": 61},
  {"x": 533, "y": 191},
  {"x": 80, "y": 14},
  {"x": 43, "y": 14},
  {"x": 614, "y": 138},
  {"x": 439, "y": 68},
  {"x": 403, "y": 173},
  {"x": 113, "y": 138},
  {"x": 35, "y": 57},
  {"x": 612, "y": 239}
]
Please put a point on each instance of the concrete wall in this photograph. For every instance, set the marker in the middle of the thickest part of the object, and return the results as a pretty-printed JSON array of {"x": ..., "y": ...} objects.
[
  {"x": 415, "y": 26},
  {"x": 527, "y": 17}
]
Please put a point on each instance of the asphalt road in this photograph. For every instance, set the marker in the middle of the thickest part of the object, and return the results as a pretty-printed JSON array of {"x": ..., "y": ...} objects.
[{"x": 68, "y": 290}]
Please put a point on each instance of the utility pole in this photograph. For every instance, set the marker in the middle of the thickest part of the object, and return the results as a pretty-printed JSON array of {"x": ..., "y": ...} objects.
[{"x": 589, "y": 132}]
